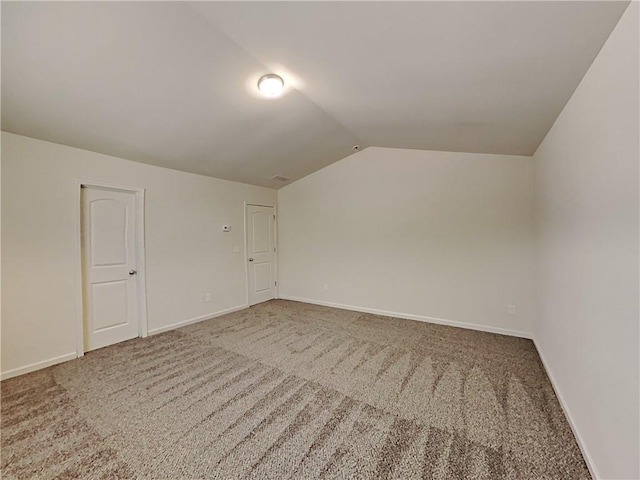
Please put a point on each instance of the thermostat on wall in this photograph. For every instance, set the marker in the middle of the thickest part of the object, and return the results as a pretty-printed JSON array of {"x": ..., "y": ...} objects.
[{"x": 226, "y": 228}]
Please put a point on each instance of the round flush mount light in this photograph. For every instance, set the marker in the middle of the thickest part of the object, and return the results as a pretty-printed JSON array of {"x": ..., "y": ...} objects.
[{"x": 271, "y": 85}]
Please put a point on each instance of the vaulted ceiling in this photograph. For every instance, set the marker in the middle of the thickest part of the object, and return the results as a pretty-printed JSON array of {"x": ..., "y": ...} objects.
[{"x": 174, "y": 84}]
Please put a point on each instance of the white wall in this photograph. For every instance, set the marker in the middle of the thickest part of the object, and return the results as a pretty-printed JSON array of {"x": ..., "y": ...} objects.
[
  {"x": 187, "y": 253},
  {"x": 415, "y": 234},
  {"x": 586, "y": 184}
]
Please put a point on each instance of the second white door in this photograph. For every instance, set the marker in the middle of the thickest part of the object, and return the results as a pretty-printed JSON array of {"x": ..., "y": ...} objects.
[
  {"x": 109, "y": 258},
  {"x": 261, "y": 253}
]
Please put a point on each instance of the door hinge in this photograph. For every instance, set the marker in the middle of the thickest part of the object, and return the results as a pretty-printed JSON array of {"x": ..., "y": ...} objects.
[
  {"x": 274, "y": 249},
  {"x": 274, "y": 216},
  {"x": 276, "y": 283}
]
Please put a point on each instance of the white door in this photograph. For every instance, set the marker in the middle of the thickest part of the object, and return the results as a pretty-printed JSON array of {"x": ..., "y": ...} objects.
[
  {"x": 261, "y": 253},
  {"x": 109, "y": 264}
]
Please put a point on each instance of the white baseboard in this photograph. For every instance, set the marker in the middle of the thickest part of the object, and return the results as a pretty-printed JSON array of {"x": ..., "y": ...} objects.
[
  {"x": 410, "y": 316},
  {"x": 72, "y": 356},
  {"x": 37, "y": 366},
  {"x": 184, "y": 323},
  {"x": 567, "y": 413}
]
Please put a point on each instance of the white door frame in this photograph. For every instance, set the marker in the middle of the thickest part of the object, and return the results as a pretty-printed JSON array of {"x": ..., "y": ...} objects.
[
  {"x": 140, "y": 258},
  {"x": 246, "y": 245}
]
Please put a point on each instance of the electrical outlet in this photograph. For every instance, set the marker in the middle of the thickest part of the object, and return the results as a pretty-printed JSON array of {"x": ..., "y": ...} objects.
[
  {"x": 205, "y": 297},
  {"x": 236, "y": 249},
  {"x": 325, "y": 287},
  {"x": 511, "y": 309}
]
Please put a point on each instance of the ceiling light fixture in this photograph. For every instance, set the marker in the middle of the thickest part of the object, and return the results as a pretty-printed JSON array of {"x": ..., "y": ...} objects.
[{"x": 271, "y": 85}]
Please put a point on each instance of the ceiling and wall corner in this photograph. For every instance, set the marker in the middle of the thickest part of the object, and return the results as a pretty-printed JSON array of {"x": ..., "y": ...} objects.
[
  {"x": 174, "y": 84},
  {"x": 587, "y": 227}
]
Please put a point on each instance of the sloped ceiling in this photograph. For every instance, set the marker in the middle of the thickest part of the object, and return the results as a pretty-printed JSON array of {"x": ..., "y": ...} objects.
[{"x": 173, "y": 84}]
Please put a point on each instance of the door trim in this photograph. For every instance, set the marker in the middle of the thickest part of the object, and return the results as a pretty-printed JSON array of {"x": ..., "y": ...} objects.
[
  {"x": 246, "y": 245},
  {"x": 140, "y": 258}
]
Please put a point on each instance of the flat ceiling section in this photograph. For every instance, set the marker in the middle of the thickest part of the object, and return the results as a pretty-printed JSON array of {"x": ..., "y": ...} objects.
[{"x": 173, "y": 84}]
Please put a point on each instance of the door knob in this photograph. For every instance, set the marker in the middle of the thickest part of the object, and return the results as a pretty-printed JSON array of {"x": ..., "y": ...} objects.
[
  {"x": 251, "y": 259},
  {"x": 132, "y": 272}
]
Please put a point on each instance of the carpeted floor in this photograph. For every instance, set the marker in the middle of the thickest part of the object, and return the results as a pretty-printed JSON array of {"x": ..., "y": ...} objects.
[{"x": 290, "y": 390}]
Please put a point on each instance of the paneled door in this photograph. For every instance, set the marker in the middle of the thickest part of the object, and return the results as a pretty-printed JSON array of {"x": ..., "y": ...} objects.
[
  {"x": 110, "y": 290},
  {"x": 261, "y": 253}
]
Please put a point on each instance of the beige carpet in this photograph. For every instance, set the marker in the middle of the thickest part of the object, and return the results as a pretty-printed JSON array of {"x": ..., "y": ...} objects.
[{"x": 290, "y": 390}]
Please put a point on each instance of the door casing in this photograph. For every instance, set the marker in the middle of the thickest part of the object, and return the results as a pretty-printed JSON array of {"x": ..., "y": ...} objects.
[
  {"x": 140, "y": 258},
  {"x": 246, "y": 247}
]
